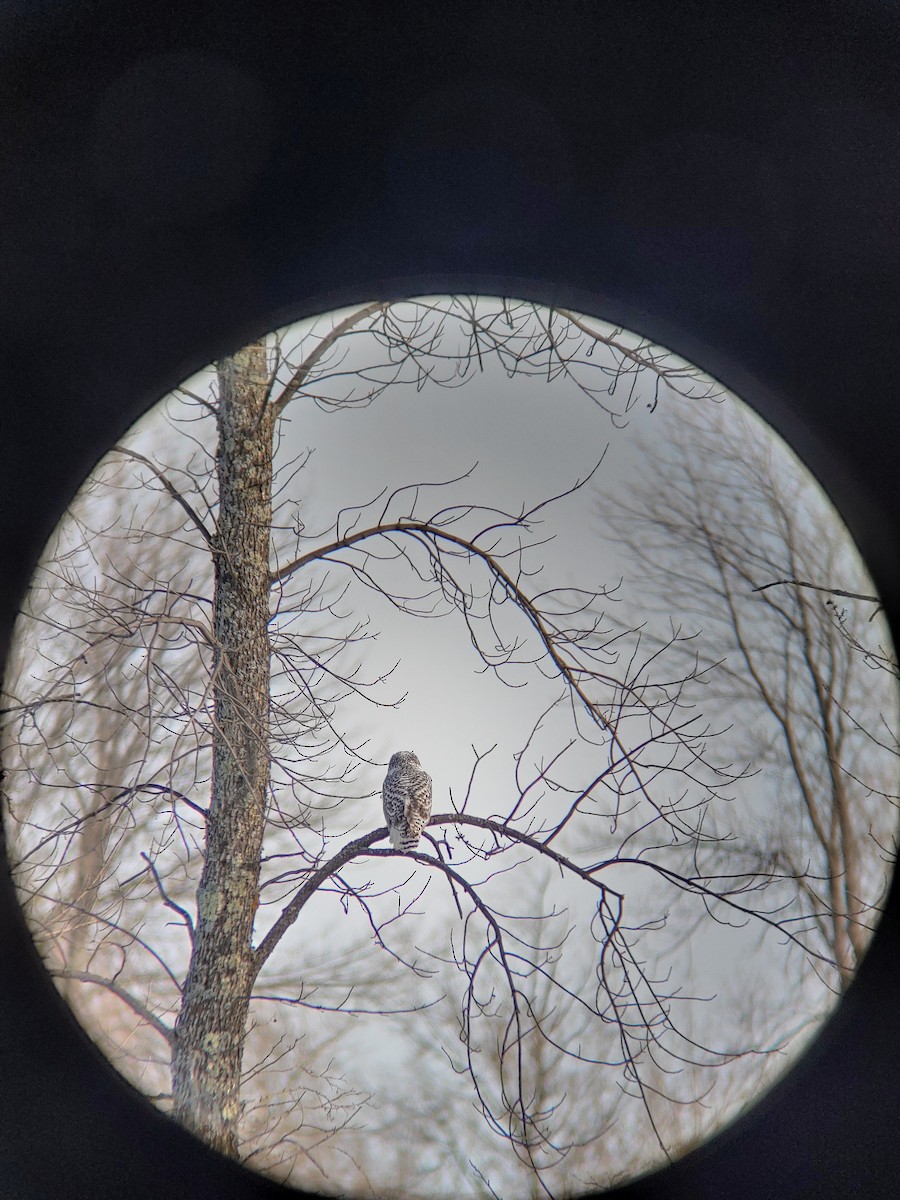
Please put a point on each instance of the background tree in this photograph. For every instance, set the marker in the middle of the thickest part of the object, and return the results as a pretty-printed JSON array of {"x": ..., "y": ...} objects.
[
  {"x": 589, "y": 1145},
  {"x": 731, "y": 534},
  {"x": 192, "y": 607}
]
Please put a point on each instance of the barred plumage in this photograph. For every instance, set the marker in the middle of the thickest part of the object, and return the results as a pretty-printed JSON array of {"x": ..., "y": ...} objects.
[{"x": 406, "y": 796}]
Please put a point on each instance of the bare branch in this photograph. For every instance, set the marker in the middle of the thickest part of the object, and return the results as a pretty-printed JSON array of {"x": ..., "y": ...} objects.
[
  {"x": 306, "y": 368},
  {"x": 110, "y": 985},
  {"x": 166, "y": 899},
  {"x": 170, "y": 488},
  {"x": 819, "y": 588}
]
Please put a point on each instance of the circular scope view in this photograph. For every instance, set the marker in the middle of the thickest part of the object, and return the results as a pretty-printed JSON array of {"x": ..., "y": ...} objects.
[{"x": 451, "y": 750}]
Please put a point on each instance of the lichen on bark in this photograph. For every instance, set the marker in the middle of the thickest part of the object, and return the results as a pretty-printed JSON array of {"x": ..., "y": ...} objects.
[{"x": 210, "y": 1029}]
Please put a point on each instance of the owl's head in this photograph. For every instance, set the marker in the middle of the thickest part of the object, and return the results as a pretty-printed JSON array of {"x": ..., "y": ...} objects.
[{"x": 403, "y": 758}]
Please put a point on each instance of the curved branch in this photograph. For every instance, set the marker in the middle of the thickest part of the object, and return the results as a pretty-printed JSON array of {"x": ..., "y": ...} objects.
[
  {"x": 362, "y": 846},
  {"x": 170, "y": 488},
  {"x": 544, "y": 629},
  {"x": 293, "y": 908},
  {"x": 125, "y": 996},
  {"x": 818, "y": 587},
  {"x": 167, "y": 899},
  {"x": 428, "y": 530},
  {"x": 297, "y": 380},
  {"x": 641, "y": 362},
  {"x": 77, "y": 822}
]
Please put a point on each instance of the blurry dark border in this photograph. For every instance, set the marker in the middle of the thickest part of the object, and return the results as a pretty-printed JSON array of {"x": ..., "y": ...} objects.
[{"x": 172, "y": 182}]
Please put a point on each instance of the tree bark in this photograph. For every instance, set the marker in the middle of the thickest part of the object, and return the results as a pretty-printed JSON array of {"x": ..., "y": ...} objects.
[{"x": 211, "y": 1025}]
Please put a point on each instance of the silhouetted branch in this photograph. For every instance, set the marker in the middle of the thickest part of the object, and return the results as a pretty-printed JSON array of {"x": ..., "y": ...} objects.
[
  {"x": 110, "y": 985},
  {"x": 170, "y": 488}
]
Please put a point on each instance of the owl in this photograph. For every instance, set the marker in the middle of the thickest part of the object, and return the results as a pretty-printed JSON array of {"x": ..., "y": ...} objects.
[{"x": 406, "y": 795}]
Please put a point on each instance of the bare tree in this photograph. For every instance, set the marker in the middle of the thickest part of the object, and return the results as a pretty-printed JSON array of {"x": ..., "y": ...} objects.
[
  {"x": 579, "y": 1106},
  {"x": 243, "y": 640},
  {"x": 879, "y": 655},
  {"x": 731, "y": 535}
]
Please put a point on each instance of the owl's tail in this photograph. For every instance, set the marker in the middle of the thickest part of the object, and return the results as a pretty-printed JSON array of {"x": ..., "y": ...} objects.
[{"x": 404, "y": 842}]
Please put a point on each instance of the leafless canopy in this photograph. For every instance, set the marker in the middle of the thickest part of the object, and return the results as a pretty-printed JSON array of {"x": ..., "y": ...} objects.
[{"x": 189, "y": 798}]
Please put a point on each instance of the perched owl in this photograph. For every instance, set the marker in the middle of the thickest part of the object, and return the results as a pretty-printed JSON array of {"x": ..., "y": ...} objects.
[{"x": 406, "y": 794}]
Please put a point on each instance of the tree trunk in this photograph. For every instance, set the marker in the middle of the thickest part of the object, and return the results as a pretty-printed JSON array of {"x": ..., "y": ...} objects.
[{"x": 211, "y": 1026}]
